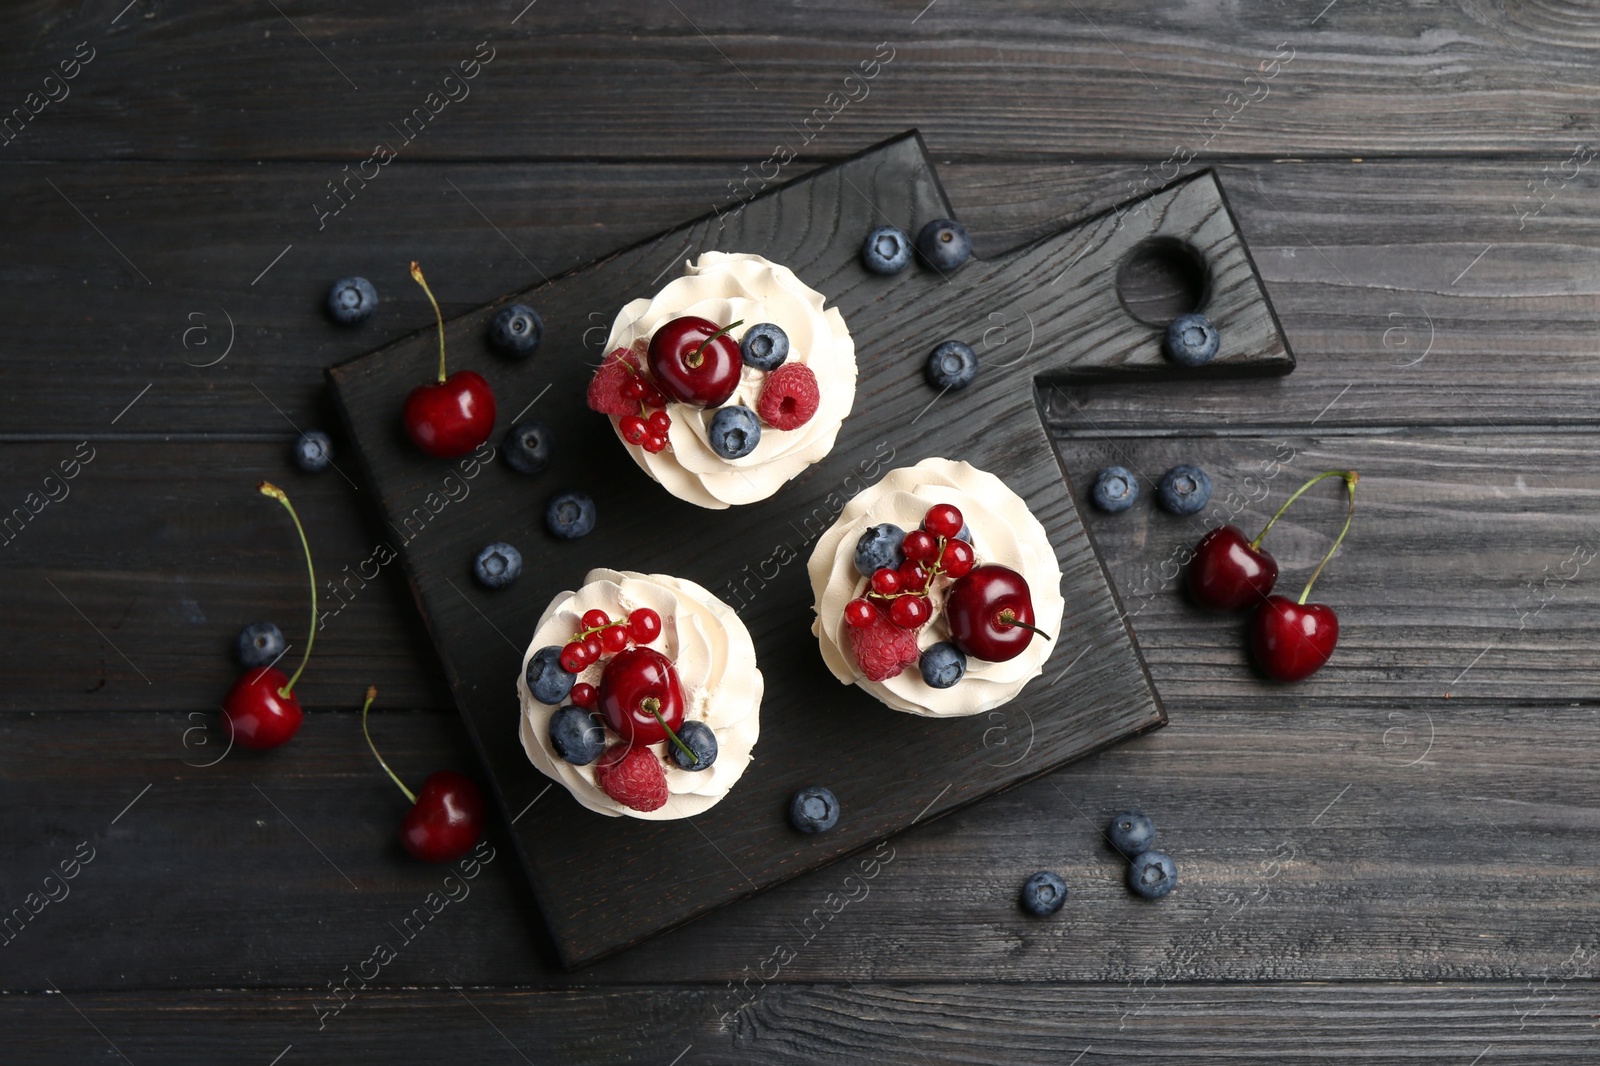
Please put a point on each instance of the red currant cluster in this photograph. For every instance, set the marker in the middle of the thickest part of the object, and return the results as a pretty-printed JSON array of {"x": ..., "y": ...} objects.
[
  {"x": 620, "y": 389},
  {"x": 931, "y": 552},
  {"x": 602, "y": 636}
]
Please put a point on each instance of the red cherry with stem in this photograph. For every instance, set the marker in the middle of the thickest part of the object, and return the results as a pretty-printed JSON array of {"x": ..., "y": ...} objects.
[
  {"x": 583, "y": 695},
  {"x": 885, "y": 582},
  {"x": 574, "y": 657},
  {"x": 1228, "y": 573},
  {"x": 446, "y": 816},
  {"x": 595, "y": 619},
  {"x": 942, "y": 520},
  {"x": 449, "y": 417},
  {"x": 909, "y": 612},
  {"x": 1293, "y": 640},
  {"x": 957, "y": 559},
  {"x": 261, "y": 708},
  {"x": 920, "y": 546},
  {"x": 640, "y": 697},
  {"x": 644, "y": 625},
  {"x": 695, "y": 361},
  {"x": 614, "y": 638},
  {"x": 858, "y": 613},
  {"x": 990, "y": 612}
]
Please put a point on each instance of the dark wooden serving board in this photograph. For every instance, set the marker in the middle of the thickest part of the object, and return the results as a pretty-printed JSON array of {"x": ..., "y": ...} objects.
[{"x": 1050, "y": 309}]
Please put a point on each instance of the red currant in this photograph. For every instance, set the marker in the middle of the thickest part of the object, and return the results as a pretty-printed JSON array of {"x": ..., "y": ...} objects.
[
  {"x": 583, "y": 695},
  {"x": 909, "y": 612},
  {"x": 859, "y": 613},
  {"x": 614, "y": 638},
  {"x": 942, "y": 520},
  {"x": 592, "y": 649},
  {"x": 645, "y": 625},
  {"x": 634, "y": 429},
  {"x": 633, "y": 389},
  {"x": 957, "y": 558},
  {"x": 919, "y": 546},
  {"x": 574, "y": 657},
  {"x": 659, "y": 423},
  {"x": 913, "y": 575},
  {"x": 653, "y": 443},
  {"x": 595, "y": 619},
  {"x": 885, "y": 581},
  {"x": 652, "y": 396}
]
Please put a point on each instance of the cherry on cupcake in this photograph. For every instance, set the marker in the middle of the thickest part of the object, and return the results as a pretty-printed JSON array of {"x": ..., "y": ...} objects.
[
  {"x": 695, "y": 361},
  {"x": 453, "y": 415},
  {"x": 446, "y": 816},
  {"x": 640, "y": 696},
  {"x": 1291, "y": 640},
  {"x": 990, "y": 613},
  {"x": 261, "y": 708}
]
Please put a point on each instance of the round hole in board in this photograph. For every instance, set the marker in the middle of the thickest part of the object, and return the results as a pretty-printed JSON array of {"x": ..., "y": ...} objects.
[{"x": 1161, "y": 279}]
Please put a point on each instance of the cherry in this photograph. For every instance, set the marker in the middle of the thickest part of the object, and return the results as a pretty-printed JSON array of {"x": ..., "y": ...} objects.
[
  {"x": 859, "y": 613},
  {"x": 452, "y": 416},
  {"x": 261, "y": 707},
  {"x": 942, "y": 520},
  {"x": 1293, "y": 640},
  {"x": 640, "y": 696},
  {"x": 1229, "y": 573},
  {"x": 695, "y": 361},
  {"x": 644, "y": 625},
  {"x": 990, "y": 613},
  {"x": 446, "y": 817}
]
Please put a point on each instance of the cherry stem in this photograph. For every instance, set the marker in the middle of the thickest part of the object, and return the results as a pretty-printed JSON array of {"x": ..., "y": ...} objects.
[
  {"x": 1350, "y": 479},
  {"x": 1007, "y": 617},
  {"x": 416, "y": 276},
  {"x": 372, "y": 694},
  {"x": 653, "y": 705},
  {"x": 694, "y": 358},
  {"x": 1348, "y": 475},
  {"x": 267, "y": 488}
]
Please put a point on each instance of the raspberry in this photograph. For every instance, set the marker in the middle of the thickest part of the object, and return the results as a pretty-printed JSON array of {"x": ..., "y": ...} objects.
[
  {"x": 883, "y": 649},
  {"x": 789, "y": 398},
  {"x": 605, "y": 388},
  {"x": 633, "y": 777}
]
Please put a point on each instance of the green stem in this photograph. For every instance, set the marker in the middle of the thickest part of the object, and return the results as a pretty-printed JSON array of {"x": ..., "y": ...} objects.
[
  {"x": 372, "y": 694},
  {"x": 416, "y": 276},
  {"x": 674, "y": 737},
  {"x": 698, "y": 354},
  {"x": 1348, "y": 475},
  {"x": 1350, "y": 479},
  {"x": 267, "y": 488}
]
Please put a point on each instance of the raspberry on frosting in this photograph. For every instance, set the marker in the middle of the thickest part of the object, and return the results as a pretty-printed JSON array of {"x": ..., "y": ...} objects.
[
  {"x": 605, "y": 388},
  {"x": 790, "y": 397},
  {"x": 633, "y": 777},
  {"x": 883, "y": 649}
]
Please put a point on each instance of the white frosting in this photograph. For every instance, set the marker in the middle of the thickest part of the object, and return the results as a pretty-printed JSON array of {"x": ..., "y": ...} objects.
[
  {"x": 741, "y": 287},
  {"x": 716, "y": 664},
  {"x": 1003, "y": 531}
]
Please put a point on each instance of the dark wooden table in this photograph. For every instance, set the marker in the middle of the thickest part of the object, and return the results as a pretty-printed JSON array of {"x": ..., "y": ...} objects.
[{"x": 1395, "y": 861}]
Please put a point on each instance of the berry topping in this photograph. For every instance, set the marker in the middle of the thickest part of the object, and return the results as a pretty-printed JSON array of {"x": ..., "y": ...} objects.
[
  {"x": 595, "y": 619},
  {"x": 516, "y": 331},
  {"x": 584, "y": 695},
  {"x": 527, "y": 447},
  {"x": 952, "y": 365},
  {"x": 633, "y": 389},
  {"x": 547, "y": 678},
  {"x": 790, "y": 397},
  {"x": 913, "y": 576},
  {"x": 614, "y": 638},
  {"x": 813, "y": 809},
  {"x": 592, "y": 649},
  {"x": 942, "y": 520},
  {"x": 574, "y": 657},
  {"x": 570, "y": 515},
  {"x": 654, "y": 443},
  {"x": 352, "y": 300},
  {"x": 943, "y": 244},
  {"x": 659, "y": 422},
  {"x": 644, "y": 625},
  {"x": 640, "y": 696},
  {"x": 942, "y": 665},
  {"x": 313, "y": 451},
  {"x": 1114, "y": 489},
  {"x": 886, "y": 582},
  {"x": 497, "y": 565},
  {"x": 883, "y": 649},
  {"x": 695, "y": 361},
  {"x": 910, "y": 612},
  {"x": 577, "y": 735},
  {"x": 605, "y": 388},
  {"x": 878, "y": 547},
  {"x": 633, "y": 777},
  {"x": 764, "y": 346},
  {"x": 702, "y": 745},
  {"x": 859, "y": 612},
  {"x": 1191, "y": 340},
  {"x": 634, "y": 429},
  {"x": 920, "y": 546},
  {"x": 734, "y": 432},
  {"x": 886, "y": 250},
  {"x": 957, "y": 558}
]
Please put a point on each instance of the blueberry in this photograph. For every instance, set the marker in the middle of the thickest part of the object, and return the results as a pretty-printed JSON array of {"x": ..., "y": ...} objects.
[
  {"x": 764, "y": 346},
  {"x": 886, "y": 251},
  {"x": 313, "y": 451},
  {"x": 942, "y": 664},
  {"x": 1184, "y": 489},
  {"x": 1132, "y": 832},
  {"x": 577, "y": 735},
  {"x": 965, "y": 535},
  {"x": 952, "y": 365},
  {"x": 943, "y": 244},
  {"x": 698, "y": 738},
  {"x": 569, "y": 515},
  {"x": 497, "y": 565},
  {"x": 548, "y": 682},
  {"x": 734, "y": 432},
  {"x": 1043, "y": 894},
  {"x": 352, "y": 300},
  {"x": 260, "y": 644},
  {"x": 516, "y": 331},
  {"x": 1152, "y": 874},
  {"x": 1191, "y": 340},
  {"x": 813, "y": 809},
  {"x": 879, "y": 547},
  {"x": 1114, "y": 489},
  {"x": 527, "y": 446}
]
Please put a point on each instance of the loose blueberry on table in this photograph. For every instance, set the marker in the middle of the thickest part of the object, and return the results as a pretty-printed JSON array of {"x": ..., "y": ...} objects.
[
  {"x": 259, "y": 644},
  {"x": 1043, "y": 894},
  {"x": 1114, "y": 490},
  {"x": 764, "y": 346},
  {"x": 1131, "y": 832},
  {"x": 1152, "y": 874},
  {"x": 516, "y": 331},
  {"x": 446, "y": 816},
  {"x": 943, "y": 244},
  {"x": 951, "y": 365},
  {"x": 886, "y": 250},
  {"x": 813, "y": 809},
  {"x": 1184, "y": 490},
  {"x": 570, "y": 515},
  {"x": 449, "y": 417},
  {"x": 527, "y": 446},
  {"x": 352, "y": 301},
  {"x": 1190, "y": 340},
  {"x": 1291, "y": 640},
  {"x": 497, "y": 565},
  {"x": 313, "y": 451},
  {"x": 261, "y": 708}
]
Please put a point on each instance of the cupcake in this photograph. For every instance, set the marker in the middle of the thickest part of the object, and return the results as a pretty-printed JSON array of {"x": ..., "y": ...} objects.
[
  {"x": 729, "y": 381},
  {"x": 937, "y": 591},
  {"x": 640, "y": 694}
]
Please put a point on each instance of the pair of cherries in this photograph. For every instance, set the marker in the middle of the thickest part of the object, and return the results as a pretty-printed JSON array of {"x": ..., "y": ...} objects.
[{"x": 1290, "y": 639}]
